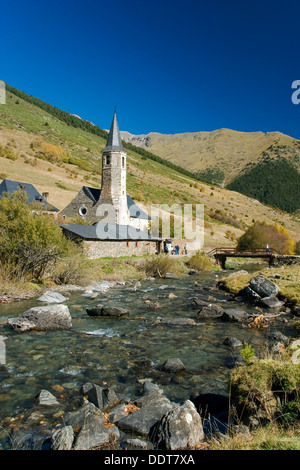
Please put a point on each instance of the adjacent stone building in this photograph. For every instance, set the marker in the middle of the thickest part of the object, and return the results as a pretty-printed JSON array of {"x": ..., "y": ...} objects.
[
  {"x": 118, "y": 227},
  {"x": 31, "y": 193}
]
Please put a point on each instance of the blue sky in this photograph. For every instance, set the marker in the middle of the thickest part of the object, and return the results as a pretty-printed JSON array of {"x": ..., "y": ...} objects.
[{"x": 169, "y": 66}]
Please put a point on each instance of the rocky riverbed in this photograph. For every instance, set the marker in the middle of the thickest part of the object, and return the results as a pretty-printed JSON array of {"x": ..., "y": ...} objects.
[{"x": 130, "y": 365}]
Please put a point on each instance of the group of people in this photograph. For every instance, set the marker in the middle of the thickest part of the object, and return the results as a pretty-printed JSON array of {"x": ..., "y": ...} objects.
[{"x": 175, "y": 250}]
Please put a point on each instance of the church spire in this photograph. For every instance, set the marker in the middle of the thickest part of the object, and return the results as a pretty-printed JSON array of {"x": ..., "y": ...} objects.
[{"x": 114, "y": 141}]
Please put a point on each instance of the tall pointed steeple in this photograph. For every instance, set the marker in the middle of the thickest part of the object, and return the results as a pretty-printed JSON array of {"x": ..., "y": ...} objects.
[
  {"x": 114, "y": 141},
  {"x": 113, "y": 189}
]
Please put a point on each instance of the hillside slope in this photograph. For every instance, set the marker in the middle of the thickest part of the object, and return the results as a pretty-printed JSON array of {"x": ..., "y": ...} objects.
[
  {"x": 39, "y": 148},
  {"x": 224, "y": 149}
]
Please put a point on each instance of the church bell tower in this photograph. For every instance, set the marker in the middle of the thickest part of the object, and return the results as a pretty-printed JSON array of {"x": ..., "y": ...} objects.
[{"x": 113, "y": 199}]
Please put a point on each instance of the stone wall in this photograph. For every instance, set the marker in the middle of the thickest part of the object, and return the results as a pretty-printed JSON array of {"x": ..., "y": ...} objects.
[
  {"x": 100, "y": 249},
  {"x": 80, "y": 201}
]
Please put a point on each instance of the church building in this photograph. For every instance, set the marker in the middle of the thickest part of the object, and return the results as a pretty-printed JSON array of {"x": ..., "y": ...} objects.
[{"x": 117, "y": 226}]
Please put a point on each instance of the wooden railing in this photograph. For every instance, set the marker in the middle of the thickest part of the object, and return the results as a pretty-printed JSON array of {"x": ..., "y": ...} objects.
[{"x": 228, "y": 251}]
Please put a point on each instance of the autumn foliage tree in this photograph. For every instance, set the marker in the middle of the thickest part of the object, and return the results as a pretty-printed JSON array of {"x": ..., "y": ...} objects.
[
  {"x": 260, "y": 234},
  {"x": 29, "y": 241}
]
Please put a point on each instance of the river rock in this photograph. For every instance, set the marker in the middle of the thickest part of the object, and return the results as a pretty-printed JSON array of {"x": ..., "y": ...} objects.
[
  {"x": 50, "y": 317},
  {"x": 263, "y": 286},
  {"x": 152, "y": 406},
  {"x": 251, "y": 295},
  {"x": 233, "y": 342},
  {"x": 209, "y": 312},
  {"x": 106, "y": 311},
  {"x": 100, "y": 396},
  {"x": 171, "y": 276},
  {"x": 236, "y": 315},
  {"x": 78, "y": 418},
  {"x": 45, "y": 398},
  {"x": 179, "y": 429},
  {"x": 52, "y": 297},
  {"x": 272, "y": 302},
  {"x": 62, "y": 439},
  {"x": 136, "y": 444},
  {"x": 94, "y": 434},
  {"x": 172, "y": 365},
  {"x": 176, "y": 322}
]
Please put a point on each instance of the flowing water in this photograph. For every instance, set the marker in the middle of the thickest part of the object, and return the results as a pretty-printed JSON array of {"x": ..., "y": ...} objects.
[{"x": 125, "y": 351}]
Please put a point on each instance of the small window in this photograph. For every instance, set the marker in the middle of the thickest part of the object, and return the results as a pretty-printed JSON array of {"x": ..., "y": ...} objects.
[
  {"x": 108, "y": 160},
  {"x": 127, "y": 244},
  {"x": 82, "y": 211},
  {"x": 123, "y": 162},
  {"x": 136, "y": 244}
]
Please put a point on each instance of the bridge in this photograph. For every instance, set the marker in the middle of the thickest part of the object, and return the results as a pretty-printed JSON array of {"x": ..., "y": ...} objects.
[{"x": 275, "y": 259}]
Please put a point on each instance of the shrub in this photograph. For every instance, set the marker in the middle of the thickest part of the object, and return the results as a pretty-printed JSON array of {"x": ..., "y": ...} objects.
[
  {"x": 71, "y": 269},
  {"x": 200, "y": 262},
  {"x": 29, "y": 240},
  {"x": 159, "y": 265}
]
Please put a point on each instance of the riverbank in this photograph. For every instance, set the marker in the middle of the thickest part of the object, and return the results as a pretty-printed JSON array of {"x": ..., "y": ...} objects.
[
  {"x": 82, "y": 272},
  {"x": 183, "y": 316}
]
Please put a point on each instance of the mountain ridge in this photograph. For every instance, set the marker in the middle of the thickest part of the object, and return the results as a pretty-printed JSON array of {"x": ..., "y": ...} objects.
[{"x": 226, "y": 149}]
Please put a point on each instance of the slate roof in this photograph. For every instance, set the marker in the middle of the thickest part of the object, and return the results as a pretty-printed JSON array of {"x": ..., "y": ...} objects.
[
  {"x": 99, "y": 231},
  {"x": 114, "y": 141},
  {"x": 9, "y": 186},
  {"x": 134, "y": 210}
]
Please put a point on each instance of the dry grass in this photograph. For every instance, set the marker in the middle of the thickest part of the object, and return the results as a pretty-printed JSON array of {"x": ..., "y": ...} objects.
[{"x": 289, "y": 281}]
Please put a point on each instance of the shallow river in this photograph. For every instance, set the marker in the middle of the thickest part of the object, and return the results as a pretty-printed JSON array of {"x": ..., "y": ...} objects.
[{"x": 123, "y": 352}]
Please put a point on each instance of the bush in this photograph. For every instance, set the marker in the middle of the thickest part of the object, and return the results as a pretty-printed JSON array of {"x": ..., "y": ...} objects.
[
  {"x": 29, "y": 240},
  {"x": 200, "y": 262},
  {"x": 160, "y": 265},
  {"x": 71, "y": 269}
]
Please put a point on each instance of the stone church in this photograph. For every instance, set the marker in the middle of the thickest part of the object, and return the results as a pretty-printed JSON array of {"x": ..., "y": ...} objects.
[{"x": 117, "y": 226}]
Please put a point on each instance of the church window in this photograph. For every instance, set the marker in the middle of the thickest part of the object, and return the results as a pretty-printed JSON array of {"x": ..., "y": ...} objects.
[
  {"x": 82, "y": 211},
  {"x": 107, "y": 160},
  {"x": 123, "y": 162}
]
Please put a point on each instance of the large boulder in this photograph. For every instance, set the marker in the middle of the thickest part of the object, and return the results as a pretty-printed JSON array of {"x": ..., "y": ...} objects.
[
  {"x": 77, "y": 418},
  {"x": 151, "y": 408},
  {"x": 263, "y": 286},
  {"x": 179, "y": 429},
  {"x": 94, "y": 434},
  {"x": 50, "y": 317}
]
